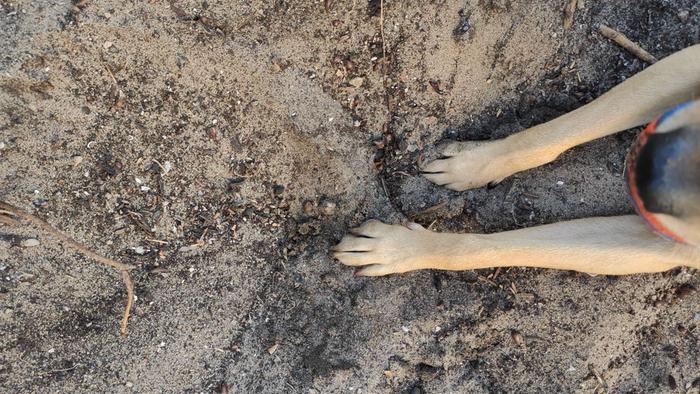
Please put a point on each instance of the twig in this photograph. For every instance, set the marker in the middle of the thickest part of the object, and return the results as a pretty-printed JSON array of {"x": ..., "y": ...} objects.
[
  {"x": 569, "y": 12},
  {"x": 159, "y": 165},
  {"x": 429, "y": 211},
  {"x": 621, "y": 40},
  {"x": 431, "y": 225},
  {"x": 109, "y": 71},
  {"x": 157, "y": 241},
  {"x": 386, "y": 192},
  {"x": 62, "y": 237},
  {"x": 487, "y": 280},
  {"x": 7, "y": 210},
  {"x": 599, "y": 377},
  {"x": 129, "y": 301},
  {"x": 53, "y": 371}
]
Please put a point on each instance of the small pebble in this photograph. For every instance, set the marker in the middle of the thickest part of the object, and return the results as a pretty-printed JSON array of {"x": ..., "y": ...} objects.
[
  {"x": 357, "y": 82},
  {"x": 28, "y": 243},
  {"x": 327, "y": 207},
  {"x": 272, "y": 349},
  {"x": 349, "y": 65},
  {"x": 129, "y": 384},
  {"x": 77, "y": 160},
  {"x": 278, "y": 190},
  {"x": 139, "y": 250},
  {"x": 304, "y": 229},
  {"x": 683, "y": 16},
  {"x": 308, "y": 207},
  {"x": 517, "y": 338},
  {"x": 249, "y": 212},
  {"x": 181, "y": 60},
  {"x": 107, "y": 45},
  {"x": 26, "y": 277}
]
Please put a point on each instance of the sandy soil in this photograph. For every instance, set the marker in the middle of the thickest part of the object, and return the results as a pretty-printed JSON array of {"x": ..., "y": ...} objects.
[{"x": 224, "y": 146}]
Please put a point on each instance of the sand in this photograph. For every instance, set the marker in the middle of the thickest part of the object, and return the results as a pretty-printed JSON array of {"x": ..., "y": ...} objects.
[{"x": 223, "y": 147}]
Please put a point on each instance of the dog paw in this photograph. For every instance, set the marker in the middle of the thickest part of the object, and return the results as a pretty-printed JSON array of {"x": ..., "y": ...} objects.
[
  {"x": 468, "y": 165},
  {"x": 383, "y": 249}
]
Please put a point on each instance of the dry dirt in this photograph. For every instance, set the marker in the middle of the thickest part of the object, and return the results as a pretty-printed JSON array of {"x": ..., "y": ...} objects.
[{"x": 224, "y": 146}]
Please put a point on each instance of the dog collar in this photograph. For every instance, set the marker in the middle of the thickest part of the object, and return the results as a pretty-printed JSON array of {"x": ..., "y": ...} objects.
[{"x": 630, "y": 175}]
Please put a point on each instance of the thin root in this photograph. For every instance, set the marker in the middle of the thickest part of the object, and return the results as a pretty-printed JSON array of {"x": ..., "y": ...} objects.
[
  {"x": 129, "y": 301},
  {"x": 9, "y": 215}
]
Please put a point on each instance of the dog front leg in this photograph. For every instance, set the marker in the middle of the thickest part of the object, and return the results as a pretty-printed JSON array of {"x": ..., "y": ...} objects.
[
  {"x": 471, "y": 164},
  {"x": 606, "y": 245}
]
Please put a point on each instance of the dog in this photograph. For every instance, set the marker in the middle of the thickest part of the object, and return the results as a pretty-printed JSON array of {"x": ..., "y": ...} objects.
[{"x": 662, "y": 172}]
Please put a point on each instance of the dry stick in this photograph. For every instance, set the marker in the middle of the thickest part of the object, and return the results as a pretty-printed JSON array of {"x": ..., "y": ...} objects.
[
  {"x": 62, "y": 237},
  {"x": 621, "y": 40},
  {"x": 429, "y": 211},
  {"x": 7, "y": 209},
  {"x": 129, "y": 301},
  {"x": 569, "y": 14},
  {"x": 111, "y": 75}
]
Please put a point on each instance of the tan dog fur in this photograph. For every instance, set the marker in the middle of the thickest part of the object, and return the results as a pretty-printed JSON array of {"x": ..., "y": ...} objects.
[{"x": 604, "y": 245}]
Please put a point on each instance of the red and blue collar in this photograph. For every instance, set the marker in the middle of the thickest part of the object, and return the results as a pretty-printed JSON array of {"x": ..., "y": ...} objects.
[{"x": 630, "y": 166}]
